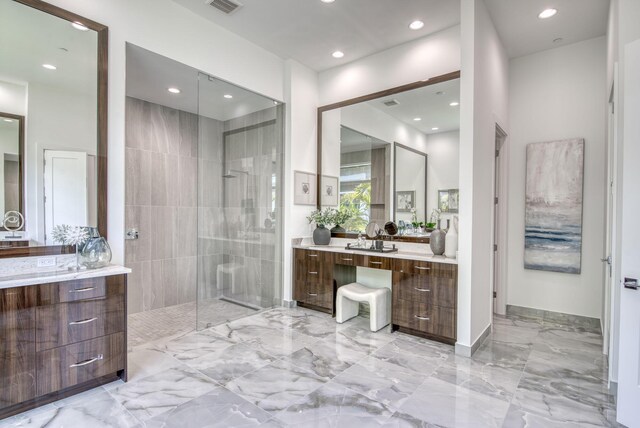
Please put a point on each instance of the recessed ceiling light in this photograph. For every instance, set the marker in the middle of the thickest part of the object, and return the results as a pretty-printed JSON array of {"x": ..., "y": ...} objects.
[
  {"x": 547, "y": 13},
  {"x": 79, "y": 26},
  {"x": 228, "y": 96},
  {"x": 435, "y": 128},
  {"x": 49, "y": 66},
  {"x": 454, "y": 104},
  {"x": 416, "y": 25},
  {"x": 173, "y": 90},
  {"x": 327, "y": 1},
  {"x": 337, "y": 54},
  {"x": 275, "y": 103},
  {"x": 417, "y": 119},
  {"x": 8, "y": 120}
]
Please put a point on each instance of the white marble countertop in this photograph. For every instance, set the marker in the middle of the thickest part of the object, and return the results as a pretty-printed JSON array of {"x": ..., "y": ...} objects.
[
  {"x": 45, "y": 277},
  {"x": 400, "y": 254}
]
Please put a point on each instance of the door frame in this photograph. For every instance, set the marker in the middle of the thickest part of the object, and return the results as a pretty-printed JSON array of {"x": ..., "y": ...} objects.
[{"x": 500, "y": 220}]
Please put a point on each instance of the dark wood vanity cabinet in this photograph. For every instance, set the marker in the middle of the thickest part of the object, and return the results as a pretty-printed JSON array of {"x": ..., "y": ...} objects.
[
  {"x": 59, "y": 339},
  {"x": 424, "y": 294},
  {"x": 313, "y": 281},
  {"x": 425, "y": 299}
]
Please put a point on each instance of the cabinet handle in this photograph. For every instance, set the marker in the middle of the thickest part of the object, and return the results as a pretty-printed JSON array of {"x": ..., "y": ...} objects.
[
  {"x": 422, "y": 268},
  {"x": 313, "y": 273},
  {"x": 88, "y": 320},
  {"x": 422, "y": 318},
  {"x": 375, "y": 263},
  {"x": 85, "y": 362},
  {"x": 312, "y": 255},
  {"x": 312, "y": 294},
  {"x": 347, "y": 260},
  {"x": 421, "y": 289},
  {"x": 81, "y": 290}
]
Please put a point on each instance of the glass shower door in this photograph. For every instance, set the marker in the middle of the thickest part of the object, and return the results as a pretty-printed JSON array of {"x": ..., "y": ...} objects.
[{"x": 240, "y": 152}]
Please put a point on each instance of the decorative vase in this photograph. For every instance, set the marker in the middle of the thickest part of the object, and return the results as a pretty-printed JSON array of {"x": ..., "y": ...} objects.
[
  {"x": 321, "y": 235},
  {"x": 338, "y": 229},
  {"x": 451, "y": 240},
  {"x": 437, "y": 241},
  {"x": 96, "y": 253}
]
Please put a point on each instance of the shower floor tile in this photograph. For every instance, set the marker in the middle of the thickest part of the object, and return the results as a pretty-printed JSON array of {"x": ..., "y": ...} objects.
[{"x": 149, "y": 326}]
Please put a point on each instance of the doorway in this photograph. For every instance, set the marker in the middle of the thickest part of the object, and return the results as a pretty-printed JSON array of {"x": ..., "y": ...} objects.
[{"x": 500, "y": 223}]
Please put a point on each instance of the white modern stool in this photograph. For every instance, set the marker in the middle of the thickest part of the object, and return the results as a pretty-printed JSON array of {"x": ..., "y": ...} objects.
[
  {"x": 349, "y": 296},
  {"x": 229, "y": 269}
]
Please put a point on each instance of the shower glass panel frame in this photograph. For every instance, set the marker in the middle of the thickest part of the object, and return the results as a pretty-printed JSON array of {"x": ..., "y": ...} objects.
[{"x": 240, "y": 202}]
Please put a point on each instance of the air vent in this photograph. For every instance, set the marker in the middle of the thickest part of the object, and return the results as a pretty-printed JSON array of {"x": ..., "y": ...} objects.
[
  {"x": 391, "y": 103},
  {"x": 225, "y": 6}
]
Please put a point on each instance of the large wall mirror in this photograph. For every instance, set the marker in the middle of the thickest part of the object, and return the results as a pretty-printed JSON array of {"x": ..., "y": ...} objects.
[
  {"x": 53, "y": 112},
  {"x": 388, "y": 156}
]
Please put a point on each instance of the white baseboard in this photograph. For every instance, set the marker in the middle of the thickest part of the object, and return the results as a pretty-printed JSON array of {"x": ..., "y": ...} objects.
[{"x": 468, "y": 351}]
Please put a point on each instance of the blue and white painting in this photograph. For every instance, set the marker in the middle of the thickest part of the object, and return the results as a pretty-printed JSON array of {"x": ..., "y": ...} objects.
[{"x": 553, "y": 208}]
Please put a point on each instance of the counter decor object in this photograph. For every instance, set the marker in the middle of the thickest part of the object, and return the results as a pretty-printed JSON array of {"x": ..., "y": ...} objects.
[
  {"x": 451, "y": 240},
  {"x": 321, "y": 235},
  {"x": 12, "y": 222},
  {"x": 71, "y": 235},
  {"x": 437, "y": 240},
  {"x": 340, "y": 217},
  {"x": 96, "y": 252}
]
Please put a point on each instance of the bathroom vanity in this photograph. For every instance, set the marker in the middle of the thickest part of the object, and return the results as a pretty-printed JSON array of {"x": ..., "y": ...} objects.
[
  {"x": 61, "y": 333},
  {"x": 424, "y": 287}
]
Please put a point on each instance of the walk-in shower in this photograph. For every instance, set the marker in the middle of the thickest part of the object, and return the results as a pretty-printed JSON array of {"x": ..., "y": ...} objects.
[{"x": 204, "y": 190}]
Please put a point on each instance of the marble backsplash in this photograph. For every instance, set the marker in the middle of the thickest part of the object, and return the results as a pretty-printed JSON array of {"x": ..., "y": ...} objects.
[{"x": 29, "y": 265}]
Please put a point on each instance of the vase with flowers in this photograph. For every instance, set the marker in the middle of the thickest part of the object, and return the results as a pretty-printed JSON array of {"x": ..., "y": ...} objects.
[{"x": 71, "y": 235}]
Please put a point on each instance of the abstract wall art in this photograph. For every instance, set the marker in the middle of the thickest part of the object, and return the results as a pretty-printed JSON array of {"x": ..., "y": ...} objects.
[{"x": 553, "y": 206}]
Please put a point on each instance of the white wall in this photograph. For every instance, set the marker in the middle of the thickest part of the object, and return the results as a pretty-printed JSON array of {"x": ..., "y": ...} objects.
[
  {"x": 410, "y": 176},
  {"x": 420, "y": 59},
  {"x": 191, "y": 40},
  {"x": 558, "y": 94},
  {"x": 13, "y": 98},
  {"x": 443, "y": 167},
  {"x": 483, "y": 102},
  {"x": 301, "y": 96}
]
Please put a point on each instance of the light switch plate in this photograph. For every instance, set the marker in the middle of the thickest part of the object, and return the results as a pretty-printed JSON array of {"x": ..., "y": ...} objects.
[{"x": 46, "y": 262}]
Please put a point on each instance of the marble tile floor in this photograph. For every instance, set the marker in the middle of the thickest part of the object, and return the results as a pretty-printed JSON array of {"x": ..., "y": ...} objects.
[
  {"x": 175, "y": 320},
  {"x": 298, "y": 368}
]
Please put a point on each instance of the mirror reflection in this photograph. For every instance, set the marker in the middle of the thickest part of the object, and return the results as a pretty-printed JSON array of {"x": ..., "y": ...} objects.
[
  {"x": 392, "y": 158},
  {"x": 48, "y": 75}
]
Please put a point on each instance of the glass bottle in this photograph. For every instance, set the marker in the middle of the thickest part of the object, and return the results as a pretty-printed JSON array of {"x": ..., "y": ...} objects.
[{"x": 96, "y": 253}]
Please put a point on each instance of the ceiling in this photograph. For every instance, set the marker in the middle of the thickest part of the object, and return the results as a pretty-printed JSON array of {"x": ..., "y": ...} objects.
[
  {"x": 30, "y": 38},
  {"x": 310, "y": 30},
  {"x": 355, "y": 141},
  {"x": 149, "y": 75},
  {"x": 523, "y": 33},
  {"x": 430, "y": 104}
]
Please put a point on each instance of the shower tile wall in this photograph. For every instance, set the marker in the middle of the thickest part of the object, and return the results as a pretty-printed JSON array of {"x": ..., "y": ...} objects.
[{"x": 161, "y": 202}]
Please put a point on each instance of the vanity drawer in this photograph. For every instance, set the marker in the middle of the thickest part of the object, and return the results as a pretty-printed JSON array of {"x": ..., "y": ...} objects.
[
  {"x": 425, "y": 318},
  {"x": 433, "y": 290},
  {"x": 70, "y": 291},
  {"x": 72, "y": 322},
  {"x": 348, "y": 259},
  {"x": 419, "y": 267},
  {"x": 377, "y": 262},
  {"x": 70, "y": 365}
]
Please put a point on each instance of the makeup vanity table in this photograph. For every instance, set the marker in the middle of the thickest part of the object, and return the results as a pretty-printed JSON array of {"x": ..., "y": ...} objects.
[{"x": 424, "y": 287}]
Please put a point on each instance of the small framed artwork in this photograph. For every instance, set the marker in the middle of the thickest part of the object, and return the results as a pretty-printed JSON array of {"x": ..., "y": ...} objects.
[
  {"x": 330, "y": 192},
  {"x": 448, "y": 200},
  {"x": 405, "y": 201},
  {"x": 305, "y": 188}
]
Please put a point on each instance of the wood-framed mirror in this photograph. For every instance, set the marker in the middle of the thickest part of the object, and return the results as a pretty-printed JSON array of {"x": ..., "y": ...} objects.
[
  {"x": 359, "y": 140},
  {"x": 53, "y": 66},
  {"x": 11, "y": 163}
]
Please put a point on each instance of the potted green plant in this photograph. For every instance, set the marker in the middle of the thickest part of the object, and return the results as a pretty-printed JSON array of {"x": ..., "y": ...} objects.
[
  {"x": 322, "y": 218},
  {"x": 340, "y": 217}
]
